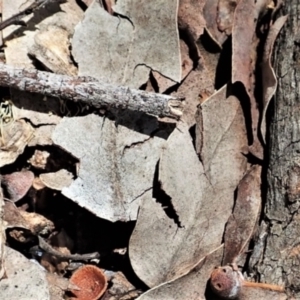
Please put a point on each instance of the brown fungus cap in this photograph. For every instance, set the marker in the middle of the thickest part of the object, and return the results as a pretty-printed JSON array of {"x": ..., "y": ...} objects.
[{"x": 91, "y": 281}]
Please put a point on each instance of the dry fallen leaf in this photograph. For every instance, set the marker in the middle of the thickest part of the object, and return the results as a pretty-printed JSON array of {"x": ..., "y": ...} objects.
[
  {"x": 130, "y": 46},
  {"x": 13, "y": 140},
  {"x": 23, "y": 108},
  {"x": 87, "y": 2},
  {"x": 39, "y": 159},
  {"x": 159, "y": 247},
  {"x": 17, "y": 184},
  {"x": 192, "y": 285},
  {"x": 24, "y": 280},
  {"x": 44, "y": 122},
  {"x": 52, "y": 49},
  {"x": 12, "y": 216},
  {"x": 19, "y": 40},
  {"x": 38, "y": 111},
  {"x": 42, "y": 136},
  {"x": 187, "y": 65},
  {"x": 17, "y": 218},
  {"x": 198, "y": 82},
  {"x": 121, "y": 288},
  {"x": 58, "y": 286},
  {"x": 198, "y": 86},
  {"x": 117, "y": 161},
  {"x": 37, "y": 223},
  {"x": 241, "y": 224},
  {"x": 164, "y": 247},
  {"x": 57, "y": 180}
]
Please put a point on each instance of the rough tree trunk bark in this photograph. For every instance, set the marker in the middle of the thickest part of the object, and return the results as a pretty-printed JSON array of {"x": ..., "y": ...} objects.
[{"x": 280, "y": 247}]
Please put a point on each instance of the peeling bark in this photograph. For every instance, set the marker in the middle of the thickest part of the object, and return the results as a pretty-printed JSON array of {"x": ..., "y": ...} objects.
[
  {"x": 2, "y": 236},
  {"x": 90, "y": 91},
  {"x": 280, "y": 261}
]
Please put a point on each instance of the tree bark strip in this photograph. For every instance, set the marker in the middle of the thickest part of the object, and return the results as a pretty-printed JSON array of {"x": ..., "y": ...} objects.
[
  {"x": 280, "y": 259},
  {"x": 90, "y": 91},
  {"x": 2, "y": 235}
]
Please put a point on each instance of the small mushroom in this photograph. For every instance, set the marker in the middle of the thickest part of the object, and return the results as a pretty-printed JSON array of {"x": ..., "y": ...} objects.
[{"x": 91, "y": 281}]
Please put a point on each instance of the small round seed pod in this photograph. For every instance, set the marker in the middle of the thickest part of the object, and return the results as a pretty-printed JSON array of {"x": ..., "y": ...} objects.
[{"x": 226, "y": 282}]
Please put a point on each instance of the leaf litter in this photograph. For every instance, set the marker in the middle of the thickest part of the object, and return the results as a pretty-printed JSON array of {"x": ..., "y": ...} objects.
[{"x": 160, "y": 201}]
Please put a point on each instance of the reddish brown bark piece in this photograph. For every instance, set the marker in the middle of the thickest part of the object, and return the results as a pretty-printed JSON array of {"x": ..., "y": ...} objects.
[
  {"x": 190, "y": 17},
  {"x": 241, "y": 223},
  {"x": 268, "y": 74},
  {"x": 244, "y": 43},
  {"x": 198, "y": 85},
  {"x": 225, "y": 13},
  {"x": 2, "y": 235},
  {"x": 210, "y": 13}
]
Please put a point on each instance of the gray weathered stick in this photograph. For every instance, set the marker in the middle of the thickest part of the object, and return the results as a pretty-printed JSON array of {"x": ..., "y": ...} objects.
[
  {"x": 46, "y": 247},
  {"x": 89, "y": 91}
]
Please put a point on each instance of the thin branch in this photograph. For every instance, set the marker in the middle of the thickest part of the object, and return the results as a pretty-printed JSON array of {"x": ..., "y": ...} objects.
[
  {"x": 49, "y": 249},
  {"x": 17, "y": 18},
  {"x": 90, "y": 91}
]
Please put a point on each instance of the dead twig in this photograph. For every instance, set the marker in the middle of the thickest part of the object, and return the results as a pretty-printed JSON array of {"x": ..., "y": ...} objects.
[
  {"x": 90, "y": 91},
  {"x": 17, "y": 18},
  {"x": 49, "y": 249}
]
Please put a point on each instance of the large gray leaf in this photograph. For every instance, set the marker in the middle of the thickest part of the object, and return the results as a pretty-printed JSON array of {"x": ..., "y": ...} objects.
[
  {"x": 117, "y": 163},
  {"x": 201, "y": 195},
  {"x": 122, "y": 50}
]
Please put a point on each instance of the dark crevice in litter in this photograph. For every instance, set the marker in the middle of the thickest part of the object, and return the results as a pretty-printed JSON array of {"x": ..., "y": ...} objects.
[
  {"x": 192, "y": 132},
  {"x": 164, "y": 199}
]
